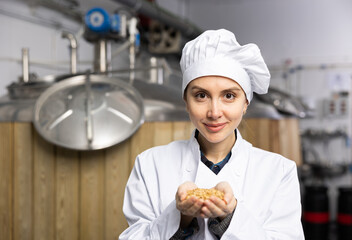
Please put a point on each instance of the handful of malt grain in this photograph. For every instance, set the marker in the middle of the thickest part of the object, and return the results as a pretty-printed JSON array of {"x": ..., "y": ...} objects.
[{"x": 203, "y": 193}]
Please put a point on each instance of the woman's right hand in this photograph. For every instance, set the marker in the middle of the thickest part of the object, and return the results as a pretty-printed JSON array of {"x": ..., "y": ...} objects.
[{"x": 189, "y": 208}]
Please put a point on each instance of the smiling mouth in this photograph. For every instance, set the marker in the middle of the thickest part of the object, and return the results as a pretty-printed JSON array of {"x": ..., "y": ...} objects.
[{"x": 215, "y": 127}]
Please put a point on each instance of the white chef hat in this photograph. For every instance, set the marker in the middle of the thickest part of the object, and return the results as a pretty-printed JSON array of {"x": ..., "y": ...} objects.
[{"x": 217, "y": 53}]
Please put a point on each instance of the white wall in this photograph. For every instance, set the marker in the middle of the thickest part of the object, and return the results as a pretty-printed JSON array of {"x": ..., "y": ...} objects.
[{"x": 282, "y": 29}]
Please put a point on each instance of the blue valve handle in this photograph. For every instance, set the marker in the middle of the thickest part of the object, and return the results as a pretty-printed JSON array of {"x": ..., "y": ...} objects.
[{"x": 97, "y": 20}]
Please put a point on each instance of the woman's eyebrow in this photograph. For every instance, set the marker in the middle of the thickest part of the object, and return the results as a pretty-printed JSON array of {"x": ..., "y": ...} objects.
[
  {"x": 224, "y": 90},
  {"x": 235, "y": 89},
  {"x": 197, "y": 88}
]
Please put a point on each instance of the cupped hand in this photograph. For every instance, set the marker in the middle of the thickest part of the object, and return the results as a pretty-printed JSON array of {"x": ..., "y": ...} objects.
[
  {"x": 216, "y": 207},
  {"x": 188, "y": 206}
]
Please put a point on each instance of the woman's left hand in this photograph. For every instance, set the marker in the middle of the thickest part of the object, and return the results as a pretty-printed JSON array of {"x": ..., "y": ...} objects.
[{"x": 216, "y": 207}]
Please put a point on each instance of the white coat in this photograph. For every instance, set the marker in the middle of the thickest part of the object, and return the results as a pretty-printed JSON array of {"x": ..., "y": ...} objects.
[{"x": 265, "y": 185}]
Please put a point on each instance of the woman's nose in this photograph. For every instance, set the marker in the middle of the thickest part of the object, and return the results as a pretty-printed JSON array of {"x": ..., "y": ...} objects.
[{"x": 214, "y": 110}]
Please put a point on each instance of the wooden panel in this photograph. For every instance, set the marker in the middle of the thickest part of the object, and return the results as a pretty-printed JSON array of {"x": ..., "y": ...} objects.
[
  {"x": 23, "y": 181},
  {"x": 290, "y": 144},
  {"x": 116, "y": 176},
  {"x": 163, "y": 133},
  {"x": 92, "y": 195},
  {"x": 141, "y": 141},
  {"x": 182, "y": 130},
  {"x": 257, "y": 132},
  {"x": 244, "y": 130},
  {"x": 44, "y": 177},
  {"x": 279, "y": 136},
  {"x": 248, "y": 130},
  {"x": 6, "y": 171},
  {"x": 67, "y": 199},
  {"x": 274, "y": 136}
]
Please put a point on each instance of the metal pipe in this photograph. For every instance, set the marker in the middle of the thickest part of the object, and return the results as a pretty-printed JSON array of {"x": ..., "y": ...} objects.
[
  {"x": 121, "y": 48},
  {"x": 100, "y": 50},
  {"x": 132, "y": 51},
  {"x": 153, "y": 73},
  {"x": 108, "y": 58},
  {"x": 88, "y": 105},
  {"x": 25, "y": 65},
  {"x": 73, "y": 50},
  {"x": 132, "y": 55},
  {"x": 153, "y": 11},
  {"x": 156, "y": 72}
]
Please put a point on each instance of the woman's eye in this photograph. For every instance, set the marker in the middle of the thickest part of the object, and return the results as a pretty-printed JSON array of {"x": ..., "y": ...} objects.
[
  {"x": 200, "y": 95},
  {"x": 229, "y": 96}
]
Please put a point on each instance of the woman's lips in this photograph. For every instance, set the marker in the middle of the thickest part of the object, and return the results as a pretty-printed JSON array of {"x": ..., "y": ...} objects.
[{"x": 214, "y": 127}]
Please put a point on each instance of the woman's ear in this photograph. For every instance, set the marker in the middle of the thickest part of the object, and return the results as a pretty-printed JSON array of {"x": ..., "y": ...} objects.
[
  {"x": 245, "y": 107},
  {"x": 185, "y": 100}
]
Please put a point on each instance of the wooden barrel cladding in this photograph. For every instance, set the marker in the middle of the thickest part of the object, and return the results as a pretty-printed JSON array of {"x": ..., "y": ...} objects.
[{"x": 48, "y": 192}]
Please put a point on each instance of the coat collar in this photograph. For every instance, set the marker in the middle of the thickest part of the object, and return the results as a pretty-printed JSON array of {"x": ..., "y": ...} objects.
[{"x": 238, "y": 160}]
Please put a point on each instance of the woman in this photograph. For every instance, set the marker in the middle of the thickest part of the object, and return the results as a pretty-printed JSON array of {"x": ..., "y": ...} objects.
[{"x": 261, "y": 189}]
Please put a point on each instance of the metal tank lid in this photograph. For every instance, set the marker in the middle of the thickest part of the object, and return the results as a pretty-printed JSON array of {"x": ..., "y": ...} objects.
[{"x": 88, "y": 112}]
